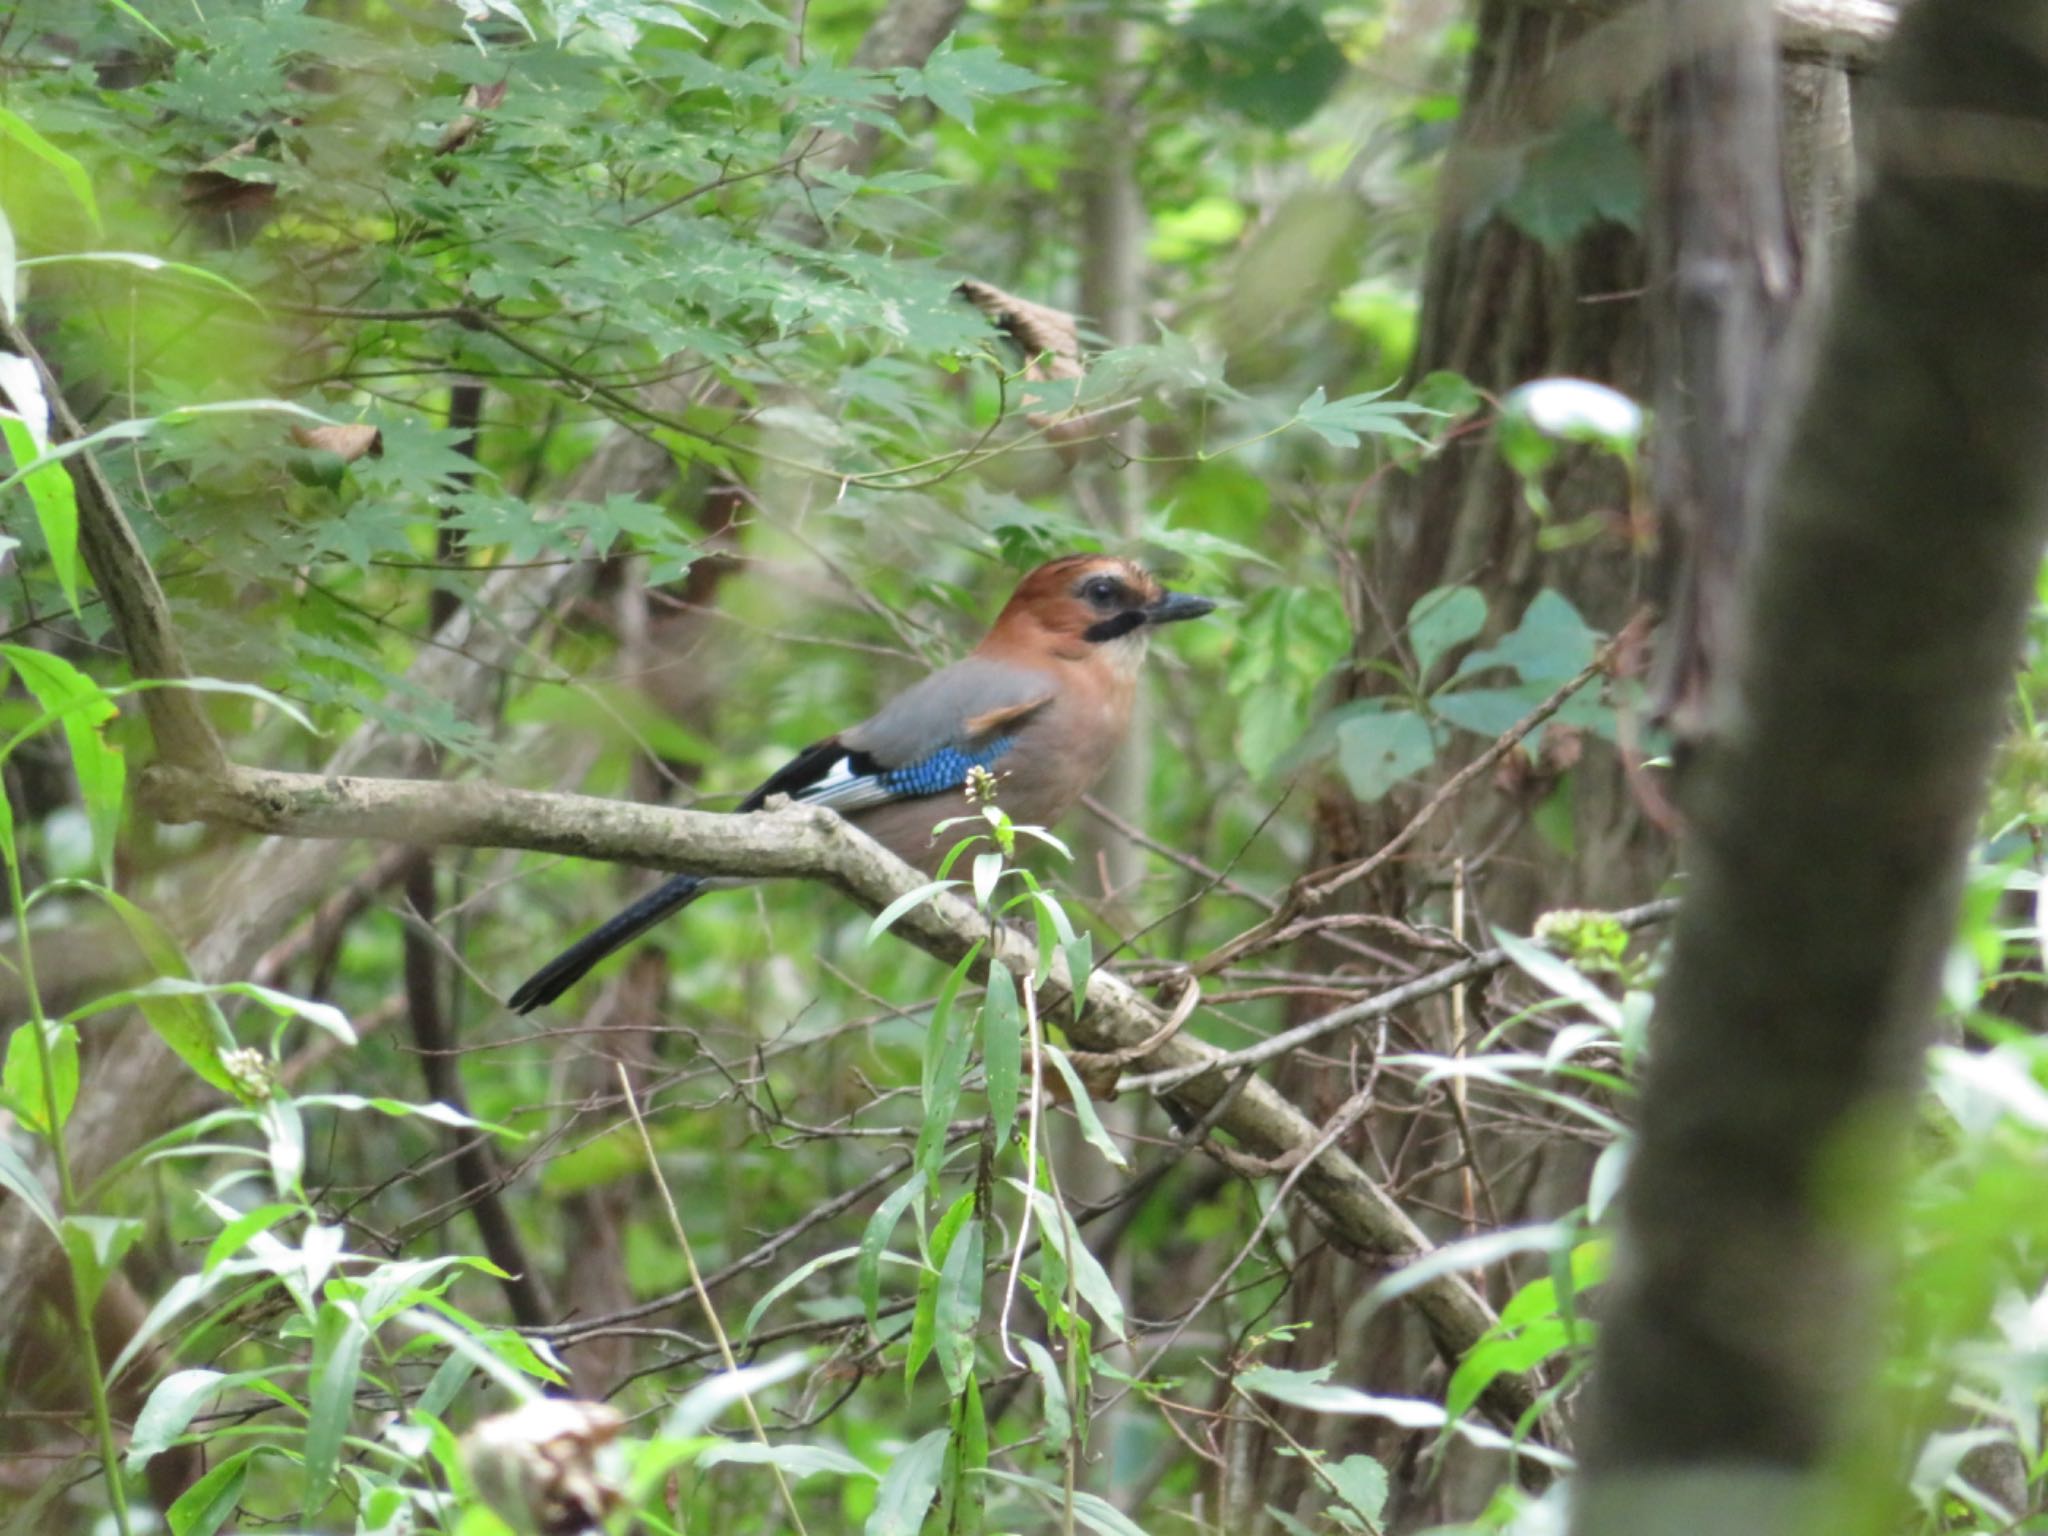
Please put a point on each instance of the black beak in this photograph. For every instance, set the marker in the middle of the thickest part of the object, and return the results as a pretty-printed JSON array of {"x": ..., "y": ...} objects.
[{"x": 1172, "y": 607}]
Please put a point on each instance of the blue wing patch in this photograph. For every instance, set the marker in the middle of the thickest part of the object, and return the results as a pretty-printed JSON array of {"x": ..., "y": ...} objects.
[{"x": 847, "y": 788}]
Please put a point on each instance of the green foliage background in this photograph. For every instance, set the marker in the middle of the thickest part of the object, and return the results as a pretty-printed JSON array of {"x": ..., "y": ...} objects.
[{"x": 697, "y": 240}]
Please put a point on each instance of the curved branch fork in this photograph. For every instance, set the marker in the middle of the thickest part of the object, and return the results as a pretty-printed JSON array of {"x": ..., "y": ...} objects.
[{"x": 810, "y": 843}]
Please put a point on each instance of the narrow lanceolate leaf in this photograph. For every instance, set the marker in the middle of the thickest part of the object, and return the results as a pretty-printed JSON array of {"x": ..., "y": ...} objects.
[
  {"x": 24, "y": 424},
  {"x": 83, "y": 710},
  {"x": 1090, "y": 1278},
  {"x": 74, "y": 176},
  {"x": 924, "y": 1322},
  {"x": 886, "y": 918},
  {"x": 1092, "y": 1129},
  {"x": 338, "y": 1338},
  {"x": 957, "y": 1306},
  {"x": 908, "y": 1488},
  {"x": 947, "y": 1052},
  {"x": 145, "y": 263},
  {"x": 1002, "y": 1051},
  {"x": 189, "y": 1023},
  {"x": 790, "y": 1282},
  {"x": 868, "y": 1270},
  {"x": 10, "y": 278},
  {"x": 1059, "y": 1419},
  {"x": 205, "y": 1507},
  {"x": 17, "y": 1178},
  {"x": 169, "y": 1410},
  {"x": 1095, "y": 1514}
]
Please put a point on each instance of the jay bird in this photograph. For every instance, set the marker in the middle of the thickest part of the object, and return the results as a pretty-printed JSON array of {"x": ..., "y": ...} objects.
[{"x": 1042, "y": 703}]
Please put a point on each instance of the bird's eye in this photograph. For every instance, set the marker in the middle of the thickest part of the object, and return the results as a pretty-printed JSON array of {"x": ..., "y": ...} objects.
[{"x": 1103, "y": 590}]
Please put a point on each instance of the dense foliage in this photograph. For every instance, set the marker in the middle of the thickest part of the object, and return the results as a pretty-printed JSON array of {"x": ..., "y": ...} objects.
[{"x": 583, "y": 395}]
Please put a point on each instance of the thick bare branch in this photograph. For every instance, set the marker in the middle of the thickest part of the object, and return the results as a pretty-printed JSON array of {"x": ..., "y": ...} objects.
[
  {"x": 121, "y": 573},
  {"x": 812, "y": 843}
]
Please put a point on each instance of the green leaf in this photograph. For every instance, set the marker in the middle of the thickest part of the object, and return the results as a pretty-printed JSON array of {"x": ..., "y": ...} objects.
[
  {"x": 1312, "y": 1390},
  {"x": 338, "y": 1339},
  {"x": 16, "y": 127},
  {"x": 142, "y": 426},
  {"x": 207, "y": 1505},
  {"x": 189, "y": 1023},
  {"x": 170, "y": 1409},
  {"x": 50, "y": 491},
  {"x": 1551, "y": 645},
  {"x": 10, "y": 281},
  {"x": 946, "y": 1054},
  {"x": 179, "y": 1295},
  {"x": 954, "y": 79},
  {"x": 236, "y": 1234},
  {"x": 963, "y": 1494},
  {"x": 94, "y": 1245},
  {"x": 1503, "y": 1354},
  {"x": 886, "y": 918},
  {"x": 799, "y": 1461},
  {"x": 874, "y": 1239},
  {"x": 324, "y": 1016},
  {"x": 1099, "y": 1515},
  {"x": 700, "y": 1407},
  {"x": 1361, "y": 1482},
  {"x": 1471, "y": 1253},
  {"x": 1268, "y": 723},
  {"x": 1273, "y": 64},
  {"x": 908, "y": 1488},
  {"x": 1439, "y": 620},
  {"x": 84, "y": 710},
  {"x": 435, "y": 1111},
  {"x": 1341, "y": 423},
  {"x": 19, "y": 1179},
  {"x": 956, "y": 1307},
  {"x": 1586, "y": 172},
  {"x": 389, "y": 1289},
  {"x": 1560, "y": 977},
  {"x": 1092, "y": 1129},
  {"x": 1059, "y": 1417},
  {"x": 1090, "y": 1278},
  {"x": 790, "y": 1282},
  {"x": 22, "y": 1087},
  {"x": 1002, "y": 1051},
  {"x": 1377, "y": 749},
  {"x": 924, "y": 1322},
  {"x": 151, "y": 264}
]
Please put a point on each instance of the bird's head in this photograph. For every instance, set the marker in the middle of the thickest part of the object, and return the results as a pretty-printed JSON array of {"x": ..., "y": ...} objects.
[{"x": 1084, "y": 605}]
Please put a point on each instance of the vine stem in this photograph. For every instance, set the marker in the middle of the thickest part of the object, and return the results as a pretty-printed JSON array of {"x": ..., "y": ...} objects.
[
  {"x": 1033, "y": 1065},
  {"x": 81, "y": 1304}
]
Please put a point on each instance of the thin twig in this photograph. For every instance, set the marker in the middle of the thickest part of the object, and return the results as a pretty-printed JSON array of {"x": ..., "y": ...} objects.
[{"x": 675, "y": 1221}]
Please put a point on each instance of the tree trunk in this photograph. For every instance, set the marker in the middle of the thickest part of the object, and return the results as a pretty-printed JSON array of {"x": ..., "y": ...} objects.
[
  {"x": 1500, "y": 309},
  {"x": 1831, "y": 812}
]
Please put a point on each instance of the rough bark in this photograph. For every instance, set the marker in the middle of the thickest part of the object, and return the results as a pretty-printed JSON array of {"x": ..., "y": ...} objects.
[
  {"x": 1726, "y": 270},
  {"x": 1500, "y": 309},
  {"x": 1831, "y": 812}
]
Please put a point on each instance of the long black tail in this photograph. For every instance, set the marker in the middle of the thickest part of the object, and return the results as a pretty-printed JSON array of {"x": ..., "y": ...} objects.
[{"x": 568, "y": 968}]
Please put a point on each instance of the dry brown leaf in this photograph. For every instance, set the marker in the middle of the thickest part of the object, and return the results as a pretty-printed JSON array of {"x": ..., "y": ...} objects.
[
  {"x": 478, "y": 98},
  {"x": 1050, "y": 338},
  {"x": 348, "y": 443}
]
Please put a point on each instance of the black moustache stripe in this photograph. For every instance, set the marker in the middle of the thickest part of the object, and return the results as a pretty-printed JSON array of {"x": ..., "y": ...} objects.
[{"x": 1114, "y": 628}]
